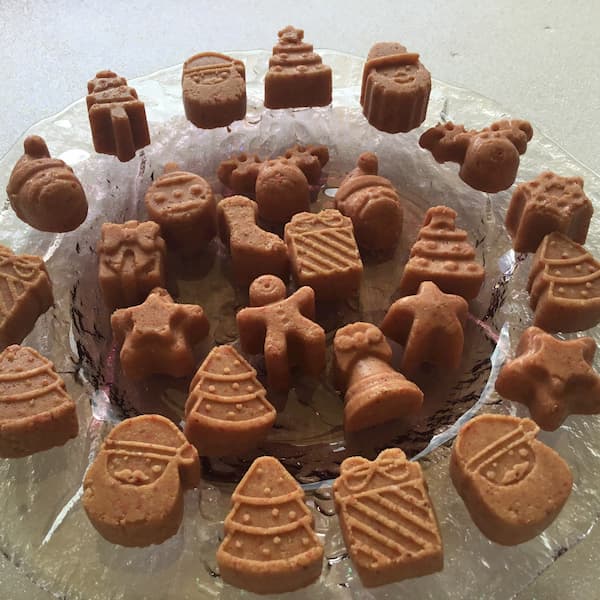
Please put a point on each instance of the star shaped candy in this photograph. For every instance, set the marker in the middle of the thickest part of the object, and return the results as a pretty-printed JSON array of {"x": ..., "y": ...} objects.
[
  {"x": 553, "y": 378},
  {"x": 430, "y": 327},
  {"x": 157, "y": 336}
]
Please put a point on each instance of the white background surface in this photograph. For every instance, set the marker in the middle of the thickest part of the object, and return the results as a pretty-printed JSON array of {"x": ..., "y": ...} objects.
[{"x": 539, "y": 59}]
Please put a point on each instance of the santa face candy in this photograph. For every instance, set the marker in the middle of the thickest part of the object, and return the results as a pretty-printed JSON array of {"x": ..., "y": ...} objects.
[
  {"x": 296, "y": 76},
  {"x": 443, "y": 255},
  {"x": 489, "y": 159},
  {"x": 227, "y": 412},
  {"x": 387, "y": 519},
  {"x": 395, "y": 88},
  {"x": 548, "y": 203},
  {"x": 270, "y": 546},
  {"x": 25, "y": 294},
  {"x": 553, "y": 378},
  {"x": 564, "y": 286},
  {"x": 512, "y": 485},
  {"x": 214, "y": 90},
  {"x": 158, "y": 336},
  {"x": 282, "y": 328},
  {"x": 323, "y": 254},
  {"x": 117, "y": 116},
  {"x": 44, "y": 192},
  {"x": 373, "y": 205},
  {"x": 133, "y": 492},
  {"x": 184, "y": 206},
  {"x": 374, "y": 392},
  {"x": 131, "y": 260},
  {"x": 36, "y": 413},
  {"x": 253, "y": 250}
]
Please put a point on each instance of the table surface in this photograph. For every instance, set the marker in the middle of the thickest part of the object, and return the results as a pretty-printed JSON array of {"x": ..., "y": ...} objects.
[{"x": 538, "y": 59}]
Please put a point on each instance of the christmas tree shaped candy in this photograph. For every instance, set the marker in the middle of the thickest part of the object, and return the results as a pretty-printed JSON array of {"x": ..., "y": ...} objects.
[
  {"x": 270, "y": 545},
  {"x": 227, "y": 411},
  {"x": 443, "y": 255}
]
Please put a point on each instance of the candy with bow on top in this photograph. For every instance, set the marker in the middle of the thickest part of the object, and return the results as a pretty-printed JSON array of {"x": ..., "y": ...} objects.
[
  {"x": 387, "y": 518},
  {"x": 374, "y": 392},
  {"x": 133, "y": 491},
  {"x": 44, "y": 192},
  {"x": 283, "y": 329},
  {"x": 489, "y": 159}
]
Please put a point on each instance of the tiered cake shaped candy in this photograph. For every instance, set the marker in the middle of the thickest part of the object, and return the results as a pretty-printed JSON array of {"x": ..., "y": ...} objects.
[
  {"x": 270, "y": 546},
  {"x": 387, "y": 519},
  {"x": 227, "y": 412},
  {"x": 443, "y": 255},
  {"x": 36, "y": 413}
]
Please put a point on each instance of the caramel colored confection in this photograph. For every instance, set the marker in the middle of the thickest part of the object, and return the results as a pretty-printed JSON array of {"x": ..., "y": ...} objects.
[
  {"x": 374, "y": 392},
  {"x": 25, "y": 294},
  {"x": 553, "y": 378},
  {"x": 489, "y": 159},
  {"x": 270, "y": 546},
  {"x": 296, "y": 76},
  {"x": 117, "y": 116},
  {"x": 253, "y": 250},
  {"x": 512, "y": 485},
  {"x": 564, "y": 286},
  {"x": 44, "y": 192},
  {"x": 430, "y": 326},
  {"x": 36, "y": 413},
  {"x": 214, "y": 90},
  {"x": 284, "y": 329},
  {"x": 395, "y": 88},
  {"x": 373, "y": 205},
  {"x": 227, "y": 412},
  {"x": 158, "y": 336},
  {"x": 184, "y": 206},
  {"x": 323, "y": 254},
  {"x": 387, "y": 519},
  {"x": 443, "y": 255},
  {"x": 131, "y": 260},
  {"x": 133, "y": 491},
  {"x": 545, "y": 204}
]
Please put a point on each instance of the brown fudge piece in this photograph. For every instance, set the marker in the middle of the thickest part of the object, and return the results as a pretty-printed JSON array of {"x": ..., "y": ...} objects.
[
  {"x": 395, "y": 88},
  {"x": 387, "y": 518},
  {"x": 214, "y": 90},
  {"x": 373, "y": 205},
  {"x": 158, "y": 335},
  {"x": 323, "y": 254},
  {"x": 545, "y": 204},
  {"x": 283, "y": 329},
  {"x": 430, "y": 326},
  {"x": 513, "y": 485},
  {"x": 309, "y": 159},
  {"x": 227, "y": 412},
  {"x": 133, "y": 491},
  {"x": 117, "y": 116},
  {"x": 564, "y": 286},
  {"x": 131, "y": 259},
  {"x": 36, "y": 413},
  {"x": 270, "y": 546},
  {"x": 25, "y": 294},
  {"x": 296, "y": 76},
  {"x": 44, "y": 192},
  {"x": 184, "y": 206},
  {"x": 374, "y": 392},
  {"x": 253, "y": 250},
  {"x": 489, "y": 159},
  {"x": 553, "y": 378},
  {"x": 443, "y": 255}
]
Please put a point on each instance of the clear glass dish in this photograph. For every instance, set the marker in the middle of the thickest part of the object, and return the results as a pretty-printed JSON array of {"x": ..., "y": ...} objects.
[{"x": 45, "y": 532}]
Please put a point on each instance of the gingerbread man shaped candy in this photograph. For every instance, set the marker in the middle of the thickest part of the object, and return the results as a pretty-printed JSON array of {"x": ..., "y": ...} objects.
[{"x": 282, "y": 328}]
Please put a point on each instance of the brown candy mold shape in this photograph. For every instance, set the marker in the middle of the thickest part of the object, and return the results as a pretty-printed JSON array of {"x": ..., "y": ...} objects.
[{"x": 471, "y": 568}]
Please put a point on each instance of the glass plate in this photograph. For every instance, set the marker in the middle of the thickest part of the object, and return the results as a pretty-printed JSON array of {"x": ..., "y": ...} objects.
[{"x": 45, "y": 532}]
